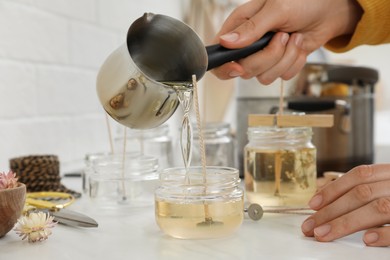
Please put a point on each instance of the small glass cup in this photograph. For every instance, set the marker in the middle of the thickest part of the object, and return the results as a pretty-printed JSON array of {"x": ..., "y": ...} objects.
[
  {"x": 191, "y": 205},
  {"x": 115, "y": 181}
]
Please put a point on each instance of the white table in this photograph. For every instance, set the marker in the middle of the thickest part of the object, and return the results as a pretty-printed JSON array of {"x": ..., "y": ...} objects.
[{"x": 133, "y": 234}]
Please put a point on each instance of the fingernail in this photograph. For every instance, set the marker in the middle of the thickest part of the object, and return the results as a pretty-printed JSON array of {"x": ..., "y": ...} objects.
[
  {"x": 308, "y": 225},
  {"x": 230, "y": 37},
  {"x": 322, "y": 230},
  {"x": 298, "y": 39},
  {"x": 284, "y": 38},
  {"x": 316, "y": 201},
  {"x": 234, "y": 74},
  {"x": 371, "y": 237}
]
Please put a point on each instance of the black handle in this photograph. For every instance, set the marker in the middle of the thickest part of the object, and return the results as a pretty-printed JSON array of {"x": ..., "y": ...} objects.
[
  {"x": 311, "y": 105},
  {"x": 218, "y": 55}
]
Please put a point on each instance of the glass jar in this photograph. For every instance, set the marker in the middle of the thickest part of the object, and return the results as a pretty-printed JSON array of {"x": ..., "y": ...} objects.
[
  {"x": 218, "y": 143},
  {"x": 115, "y": 181},
  {"x": 191, "y": 205},
  {"x": 280, "y": 166},
  {"x": 88, "y": 163},
  {"x": 154, "y": 142}
]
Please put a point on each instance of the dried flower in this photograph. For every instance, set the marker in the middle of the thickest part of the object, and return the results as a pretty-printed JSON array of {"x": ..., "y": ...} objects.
[
  {"x": 8, "y": 180},
  {"x": 35, "y": 226}
]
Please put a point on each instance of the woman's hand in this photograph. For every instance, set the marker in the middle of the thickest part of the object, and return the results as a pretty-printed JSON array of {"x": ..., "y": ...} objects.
[
  {"x": 357, "y": 201},
  {"x": 302, "y": 25}
]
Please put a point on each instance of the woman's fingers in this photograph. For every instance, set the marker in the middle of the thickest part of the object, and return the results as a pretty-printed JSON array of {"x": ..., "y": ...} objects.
[
  {"x": 373, "y": 214},
  {"x": 283, "y": 56},
  {"x": 249, "y": 23},
  {"x": 256, "y": 63},
  {"x": 296, "y": 67},
  {"x": 357, "y": 197},
  {"x": 261, "y": 62},
  {"x": 359, "y": 200},
  {"x": 278, "y": 59},
  {"x": 377, "y": 236},
  {"x": 289, "y": 58},
  {"x": 241, "y": 15},
  {"x": 356, "y": 176}
]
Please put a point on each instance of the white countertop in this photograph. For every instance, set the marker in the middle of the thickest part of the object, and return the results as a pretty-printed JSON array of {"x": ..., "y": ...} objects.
[{"x": 133, "y": 234}]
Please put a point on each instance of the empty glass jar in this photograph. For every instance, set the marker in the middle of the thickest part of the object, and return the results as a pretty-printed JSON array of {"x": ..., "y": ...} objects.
[
  {"x": 280, "y": 166},
  {"x": 115, "y": 181},
  {"x": 191, "y": 205},
  {"x": 219, "y": 145},
  {"x": 88, "y": 163},
  {"x": 154, "y": 142}
]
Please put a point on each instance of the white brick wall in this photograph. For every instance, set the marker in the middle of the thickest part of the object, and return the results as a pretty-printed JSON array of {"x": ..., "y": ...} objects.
[{"x": 50, "y": 52}]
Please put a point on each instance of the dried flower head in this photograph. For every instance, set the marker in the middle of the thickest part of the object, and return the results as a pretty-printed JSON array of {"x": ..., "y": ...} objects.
[
  {"x": 35, "y": 226},
  {"x": 8, "y": 180}
]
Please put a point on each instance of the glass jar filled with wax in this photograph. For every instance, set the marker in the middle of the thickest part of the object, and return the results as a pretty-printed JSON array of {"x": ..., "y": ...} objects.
[
  {"x": 119, "y": 181},
  {"x": 219, "y": 145},
  {"x": 192, "y": 205},
  {"x": 280, "y": 166}
]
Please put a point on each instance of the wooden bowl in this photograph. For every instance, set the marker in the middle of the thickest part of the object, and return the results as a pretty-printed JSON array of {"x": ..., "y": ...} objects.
[{"x": 11, "y": 207}]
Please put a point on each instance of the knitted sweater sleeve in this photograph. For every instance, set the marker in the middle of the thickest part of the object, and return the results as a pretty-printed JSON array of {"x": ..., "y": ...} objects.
[{"x": 372, "y": 29}]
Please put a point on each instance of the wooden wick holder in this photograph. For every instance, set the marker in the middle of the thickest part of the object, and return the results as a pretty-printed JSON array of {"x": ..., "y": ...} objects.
[{"x": 313, "y": 120}]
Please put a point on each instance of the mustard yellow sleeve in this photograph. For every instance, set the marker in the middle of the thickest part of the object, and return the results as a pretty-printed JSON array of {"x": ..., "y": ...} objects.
[{"x": 372, "y": 29}]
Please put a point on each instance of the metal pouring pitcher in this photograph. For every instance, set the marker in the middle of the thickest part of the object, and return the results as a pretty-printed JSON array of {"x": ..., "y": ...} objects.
[{"x": 135, "y": 83}]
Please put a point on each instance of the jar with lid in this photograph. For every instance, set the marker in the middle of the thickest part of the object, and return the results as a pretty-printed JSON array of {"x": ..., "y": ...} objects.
[
  {"x": 280, "y": 166},
  {"x": 118, "y": 181},
  {"x": 193, "y": 205},
  {"x": 155, "y": 142},
  {"x": 219, "y": 145}
]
